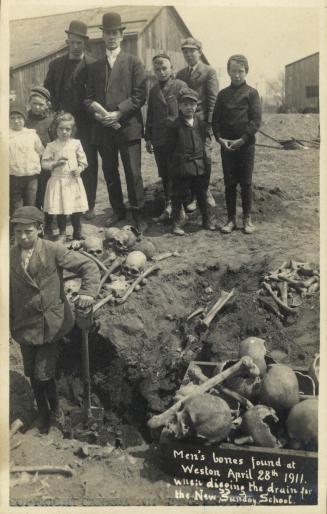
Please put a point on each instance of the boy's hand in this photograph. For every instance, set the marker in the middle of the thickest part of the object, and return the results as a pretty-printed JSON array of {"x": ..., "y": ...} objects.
[
  {"x": 85, "y": 301},
  {"x": 237, "y": 143},
  {"x": 148, "y": 146},
  {"x": 225, "y": 143}
]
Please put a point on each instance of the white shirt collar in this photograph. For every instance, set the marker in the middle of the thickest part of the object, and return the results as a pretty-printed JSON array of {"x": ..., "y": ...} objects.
[
  {"x": 193, "y": 68},
  {"x": 112, "y": 55},
  {"x": 189, "y": 122}
]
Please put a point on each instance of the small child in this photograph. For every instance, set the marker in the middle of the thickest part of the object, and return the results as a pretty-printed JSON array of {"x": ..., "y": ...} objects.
[
  {"x": 25, "y": 150},
  {"x": 236, "y": 118},
  {"x": 187, "y": 169},
  {"x": 40, "y": 118},
  {"x": 162, "y": 111},
  {"x": 65, "y": 193}
]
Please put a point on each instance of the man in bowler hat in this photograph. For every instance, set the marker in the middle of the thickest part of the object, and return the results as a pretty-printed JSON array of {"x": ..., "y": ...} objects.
[
  {"x": 203, "y": 79},
  {"x": 66, "y": 79},
  {"x": 116, "y": 84}
]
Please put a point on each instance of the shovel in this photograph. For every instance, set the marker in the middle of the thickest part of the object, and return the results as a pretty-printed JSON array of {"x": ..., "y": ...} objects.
[{"x": 89, "y": 420}]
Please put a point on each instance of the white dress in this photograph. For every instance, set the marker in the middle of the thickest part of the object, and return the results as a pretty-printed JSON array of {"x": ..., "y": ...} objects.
[{"x": 65, "y": 194}]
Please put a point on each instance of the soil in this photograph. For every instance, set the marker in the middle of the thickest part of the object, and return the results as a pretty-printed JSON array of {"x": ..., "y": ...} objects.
[{"x": 139, "y": 351}]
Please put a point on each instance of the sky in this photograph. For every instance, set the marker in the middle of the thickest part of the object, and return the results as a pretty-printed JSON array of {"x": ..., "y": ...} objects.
[{"x": 270, "y": 36}]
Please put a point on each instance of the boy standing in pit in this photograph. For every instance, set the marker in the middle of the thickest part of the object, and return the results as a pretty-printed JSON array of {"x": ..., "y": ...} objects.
[
  {"x": 162, "y": 111},
  {"x": 187, "y": 160},
  {"x": 236, "y": 118},
  {"x": 40, "y": 314}
]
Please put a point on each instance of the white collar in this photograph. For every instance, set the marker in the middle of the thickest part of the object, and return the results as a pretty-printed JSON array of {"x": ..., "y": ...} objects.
[
  {"x": 189, "y": 122},
  {"x": 112, "y": 54},
  {"x": 193, "y": 68}
]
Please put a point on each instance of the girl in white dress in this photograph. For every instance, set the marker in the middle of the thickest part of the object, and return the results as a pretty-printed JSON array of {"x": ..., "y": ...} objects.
[{"x": 65, "y": 193}]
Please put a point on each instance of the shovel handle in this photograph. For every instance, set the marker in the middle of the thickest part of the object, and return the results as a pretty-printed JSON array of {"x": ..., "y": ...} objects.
[{"x": 86, "y": 370}]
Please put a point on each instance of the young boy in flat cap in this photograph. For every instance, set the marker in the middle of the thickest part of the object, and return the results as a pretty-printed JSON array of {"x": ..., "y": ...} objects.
[
  {"x": 25, "y": 150},
  {"x": 40, "y": 117},
  {"x": 162, "y": 111},
  {"x": 236, "y": 118},
  {"x": 40, "y": 314},
  {"x": 187, "y": 167}
]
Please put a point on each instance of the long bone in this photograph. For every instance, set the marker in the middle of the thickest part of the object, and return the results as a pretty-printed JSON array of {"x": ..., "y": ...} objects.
[
  {"x": 117, "y": 262},
  {"x": 244, "y": 364},
  {"x": 99, "y": 263},
  {"x": 277, "y": 300},
  {"x": 163, "y": 256},
  {"x": 147, "y": 272},
  {"x": 222, "y": 300}
]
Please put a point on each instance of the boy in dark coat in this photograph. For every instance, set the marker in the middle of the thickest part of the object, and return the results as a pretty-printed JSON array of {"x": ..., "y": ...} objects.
[
  {"x": 162, "y": 111},
  {"x": 39, "y": 311},
  {"x": 185, "y": 146},
  {"x": 236, "y": 118}
]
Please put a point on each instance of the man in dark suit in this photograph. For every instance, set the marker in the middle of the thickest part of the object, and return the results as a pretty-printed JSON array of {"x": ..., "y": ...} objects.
[
  {"x": 116, "y": 91},
  {"x": 203, "y": 79},
  {"x": 66, "y": 79}
]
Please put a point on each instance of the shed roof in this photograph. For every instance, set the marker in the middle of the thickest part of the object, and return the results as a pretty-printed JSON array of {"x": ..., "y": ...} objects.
[
  {"x": 32, "y": 38},
  {"x": 303, "y": 59}
]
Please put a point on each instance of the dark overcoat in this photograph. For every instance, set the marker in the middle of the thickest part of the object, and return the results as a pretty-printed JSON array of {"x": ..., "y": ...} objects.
[
  {"x": 123, "y": 88},
  {"x": 39, "y": 310},
  {"x": 162, "y": 110}
]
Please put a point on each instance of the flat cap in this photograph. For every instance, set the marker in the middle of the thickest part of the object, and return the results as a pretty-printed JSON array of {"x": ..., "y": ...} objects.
[
  {"x": 187, "y": 92},
  {"x": 42, "y": 91},
  {"x": 161, "y": 56},
  {"x": 27, "y": 214},
  {"x": 190, "y": 42}
]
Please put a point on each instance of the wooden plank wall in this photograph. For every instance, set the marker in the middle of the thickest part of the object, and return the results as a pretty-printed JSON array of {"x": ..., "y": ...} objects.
[{"x": 298, "y": 76}]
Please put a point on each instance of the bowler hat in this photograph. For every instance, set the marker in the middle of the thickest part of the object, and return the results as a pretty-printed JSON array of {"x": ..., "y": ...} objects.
[
  {"x": 190, "y": 42},
  {"x": 19, "y": 108},
  {"x": 111, "y": 21},
  {"x": 27, "y": 214},
  {"x": 187, "y": 92},
  {"x": 42, "y": 91},
  {"x": 77, "y": 28}
]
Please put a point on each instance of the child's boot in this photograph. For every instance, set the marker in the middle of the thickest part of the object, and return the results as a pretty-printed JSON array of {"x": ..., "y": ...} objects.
[
  {"x": 77, "y": 227},
  {"x": 61, "y": 221},
  {"x": 229, "y": 226},
  {"x": 43, "y": 418},
  {"x": 167, "y": 213},
  {"x": 248, "y": 226},
  {"x": 178, "y": 216}
]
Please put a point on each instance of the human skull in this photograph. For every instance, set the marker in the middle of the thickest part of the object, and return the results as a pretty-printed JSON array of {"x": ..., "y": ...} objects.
[
  {"x": 134, "y": 264},
  {"x": 257, "y": 422},
  {"x": 122, "y": 241},
  {"x": 93, "y": 245},
  {"x": 109, "y": 236}
]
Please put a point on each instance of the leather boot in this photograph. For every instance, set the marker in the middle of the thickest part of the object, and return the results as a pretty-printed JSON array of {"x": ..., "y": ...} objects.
[
  {"x": 57, "y": 418},
  {"x": 207, "y": 220},
  {"x": 139, "y": 220},
  {"x": 178, "y": 216},
  {"x": 43, "y": 419}
]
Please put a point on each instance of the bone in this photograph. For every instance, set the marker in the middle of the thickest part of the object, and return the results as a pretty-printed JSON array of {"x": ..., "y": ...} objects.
[
  {"x": 16, "y": 445},
  {"x": 49, "y": 470},
  {"x": 163, "y": 256},
  {"x": 103, "y": 301},
  {"x": 282, "y": 287},
  {"x": 266, "y": 303},
  {"x": 196, "y": 372},
  {"x": 115, "y": 265},
  {"x": 246, "y": 439},
  {"x": 245, "y": 363},
  {"x": 197, "y": 311},
  {"x": 99, "y": 263},
  {"x": 223, "y": 299},
  {"x": 15, "y": 426},
  {"x": 297, "y": 284},
  {"x": 277, "y": 300},
  {"x": 147, "y": 272}
]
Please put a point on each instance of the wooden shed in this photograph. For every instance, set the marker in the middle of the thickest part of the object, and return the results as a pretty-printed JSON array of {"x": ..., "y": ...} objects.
[
  {"x": 34, "y": 42},
  {"x": 302, "y": 84}
]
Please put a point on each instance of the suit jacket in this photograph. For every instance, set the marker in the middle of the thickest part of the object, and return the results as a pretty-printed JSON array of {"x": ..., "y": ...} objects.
[
  {"x": 185, "y": 148},
  {"x": 204, "y": 81},
  {"x": 123, "y": 89},
  {"x": 162, "y": 110},
  {"x": 53, "y": 82},
  {"x": 39, "y": 310}
]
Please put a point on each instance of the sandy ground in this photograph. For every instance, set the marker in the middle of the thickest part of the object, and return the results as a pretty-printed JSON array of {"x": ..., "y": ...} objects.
[{"x": 141, "y": 350}]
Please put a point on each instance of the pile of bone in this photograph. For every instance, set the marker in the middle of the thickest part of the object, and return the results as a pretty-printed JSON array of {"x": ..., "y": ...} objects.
[
  {"x": 123, "y": 260},
  {"x": 246, "y": 402},
  {"x": 287, "y": 286}
]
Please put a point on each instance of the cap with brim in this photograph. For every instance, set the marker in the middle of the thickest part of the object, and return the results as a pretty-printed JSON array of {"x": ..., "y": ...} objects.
[
  {"x": 27, "y": 214},
  {"x": 18, "y": 108},
  {"x": 161, "y": 56},
  {"x": 78, "y": 28},
  {"x": 190, "y": 42},
  {"x": 41, "y": 91},
  {"x": 188, "y": 93}
]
